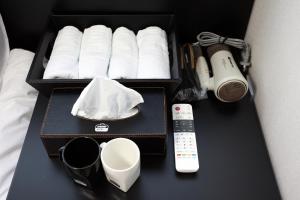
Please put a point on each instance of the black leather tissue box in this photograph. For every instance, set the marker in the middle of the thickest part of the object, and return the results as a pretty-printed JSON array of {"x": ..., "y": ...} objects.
[{"x": 148, "y": 128}]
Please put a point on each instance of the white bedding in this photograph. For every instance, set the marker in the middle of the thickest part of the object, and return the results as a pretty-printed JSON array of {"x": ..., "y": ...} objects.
[
  {"x": 17, "y": 100},
  {"x": 4, "y": 45}
]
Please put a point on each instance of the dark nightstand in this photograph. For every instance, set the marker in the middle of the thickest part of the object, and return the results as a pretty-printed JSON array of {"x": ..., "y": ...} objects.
[{"x": 234, "y": 163}]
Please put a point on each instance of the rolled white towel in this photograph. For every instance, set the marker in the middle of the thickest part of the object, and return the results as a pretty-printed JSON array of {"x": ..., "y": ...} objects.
[
  {"x": 124, "y": 58},
  {"x": 95, "y": 52},
  {"x": 153, "y": 54},
  {"x": 63, "y": 62}
]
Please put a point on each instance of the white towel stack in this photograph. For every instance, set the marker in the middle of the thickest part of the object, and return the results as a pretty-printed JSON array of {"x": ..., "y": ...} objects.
[
  {"x": 63, "y": 62},
  {"x": 124, "y": 58},
  {"x": 153, "y": 54},
  {"x": 99, "y": 53},
  {"x": 95, "y": 52}
]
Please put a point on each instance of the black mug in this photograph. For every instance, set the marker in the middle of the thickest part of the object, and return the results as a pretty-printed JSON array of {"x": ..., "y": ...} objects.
[{"x": 81, "y": 159}]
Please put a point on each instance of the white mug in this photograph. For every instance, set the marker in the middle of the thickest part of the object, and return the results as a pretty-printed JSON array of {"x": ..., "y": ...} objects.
[{"x": 120, "y": 159}]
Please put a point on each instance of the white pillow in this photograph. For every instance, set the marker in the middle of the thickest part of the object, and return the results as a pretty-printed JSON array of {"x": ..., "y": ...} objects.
[
  {"x": 4, "y": 45},
  {"x": 17, "y": 100}
]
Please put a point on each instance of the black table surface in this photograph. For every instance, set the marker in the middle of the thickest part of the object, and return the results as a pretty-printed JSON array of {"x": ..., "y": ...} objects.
[{"x": 234, "y": 163}]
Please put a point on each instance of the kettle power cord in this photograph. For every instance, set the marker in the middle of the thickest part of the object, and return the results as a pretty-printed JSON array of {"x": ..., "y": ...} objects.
[{"x": 207, "y": 39}]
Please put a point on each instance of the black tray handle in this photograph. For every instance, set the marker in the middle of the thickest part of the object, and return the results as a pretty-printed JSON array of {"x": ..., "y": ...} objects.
[{"x": 37, "y": 69}]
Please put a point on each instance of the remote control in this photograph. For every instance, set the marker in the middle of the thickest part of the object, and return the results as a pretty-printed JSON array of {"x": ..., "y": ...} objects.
[{"x": 185, "y": 146}]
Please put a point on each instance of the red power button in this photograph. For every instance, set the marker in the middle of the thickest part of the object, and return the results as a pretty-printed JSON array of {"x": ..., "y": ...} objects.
[{"x": 177, "y": 108}]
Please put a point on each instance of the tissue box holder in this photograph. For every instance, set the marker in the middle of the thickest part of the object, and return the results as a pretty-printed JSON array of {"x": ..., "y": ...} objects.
[{"x": 148, "y": 128}]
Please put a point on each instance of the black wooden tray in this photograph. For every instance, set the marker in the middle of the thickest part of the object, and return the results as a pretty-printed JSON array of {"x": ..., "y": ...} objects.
[{"x": 134, "y": 22}]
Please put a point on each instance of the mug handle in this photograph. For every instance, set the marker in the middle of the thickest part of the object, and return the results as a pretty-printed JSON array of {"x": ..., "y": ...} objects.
[
  {"x": 61, "y": 150},
  {"x": 102, "y": 145}
]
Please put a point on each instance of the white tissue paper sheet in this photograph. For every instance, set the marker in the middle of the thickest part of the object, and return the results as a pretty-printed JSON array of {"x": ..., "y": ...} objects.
[
  {"x": 4, "y": 46},
  {"x": 17, "y": 100},
  {"x": 63, "y": 61},
  {"x": 153, "y": 54},
  {"x": 124, "y": 57},
  {"x": 105, "y": 99},
  {"x": 95, "y": 52}
]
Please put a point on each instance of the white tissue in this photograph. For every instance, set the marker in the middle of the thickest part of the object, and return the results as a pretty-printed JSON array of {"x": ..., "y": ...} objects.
[
  {"x": 124, "y": 58},
  {"x": 95, "y": 52},
  {"x": 153, "y": 54},
  {"x": 105, "y": 99},
  {"x": 63, "y": 62}
]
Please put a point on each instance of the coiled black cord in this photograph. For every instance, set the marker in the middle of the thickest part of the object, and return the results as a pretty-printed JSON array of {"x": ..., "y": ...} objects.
[{"x": 207, "y": 39}]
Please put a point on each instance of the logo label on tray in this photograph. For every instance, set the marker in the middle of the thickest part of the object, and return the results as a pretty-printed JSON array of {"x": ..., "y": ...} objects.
[{"x": 102, "y": 127}]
